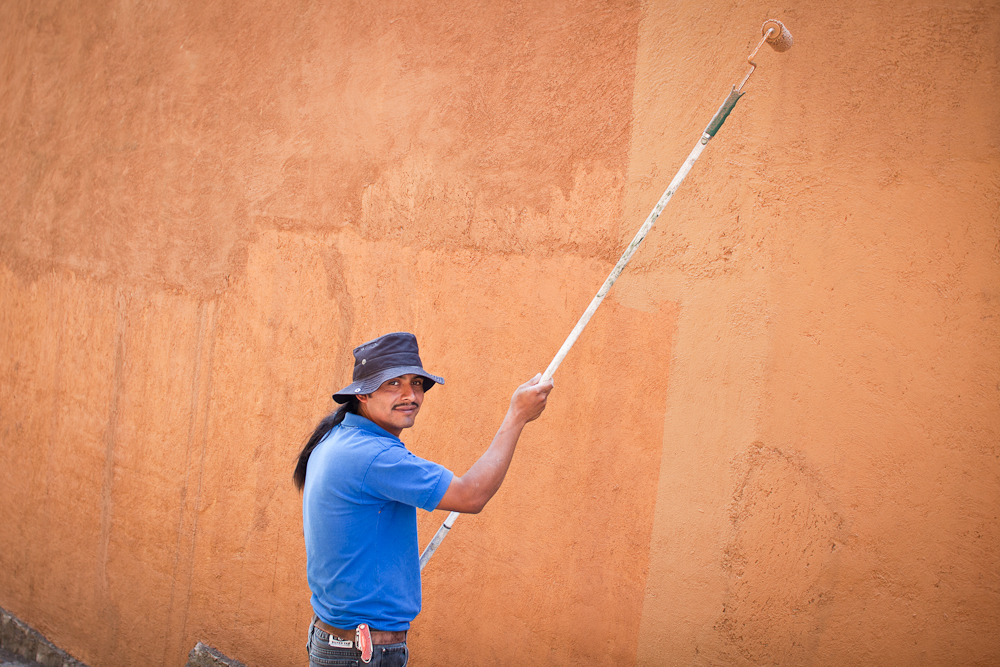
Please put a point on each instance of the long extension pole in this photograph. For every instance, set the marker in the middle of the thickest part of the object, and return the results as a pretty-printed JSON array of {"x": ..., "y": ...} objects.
[{"x": 775, "y": 34}]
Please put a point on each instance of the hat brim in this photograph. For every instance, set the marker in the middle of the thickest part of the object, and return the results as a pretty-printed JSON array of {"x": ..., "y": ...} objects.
[{"x": 370, "y": 384}]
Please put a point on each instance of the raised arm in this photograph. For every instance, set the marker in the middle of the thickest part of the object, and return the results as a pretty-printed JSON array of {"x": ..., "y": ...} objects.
[{"x": 470, "y": 492}]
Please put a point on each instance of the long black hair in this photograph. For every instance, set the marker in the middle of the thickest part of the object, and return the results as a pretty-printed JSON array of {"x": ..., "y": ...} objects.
[{"x": 324, "y": 427}]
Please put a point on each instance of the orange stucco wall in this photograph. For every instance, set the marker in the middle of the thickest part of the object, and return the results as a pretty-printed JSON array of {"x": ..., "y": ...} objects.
[{"x": 778, "y": 442}]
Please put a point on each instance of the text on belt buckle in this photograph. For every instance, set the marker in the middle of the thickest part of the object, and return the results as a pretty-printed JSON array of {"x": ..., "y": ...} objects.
[{"x": 337, "y": 642}]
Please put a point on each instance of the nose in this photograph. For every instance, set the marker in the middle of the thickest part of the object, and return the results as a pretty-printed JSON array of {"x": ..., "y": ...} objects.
[{"x": 409, "y": 393}]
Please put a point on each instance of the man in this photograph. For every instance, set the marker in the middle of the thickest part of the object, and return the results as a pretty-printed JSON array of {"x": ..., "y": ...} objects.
[{"x": 361, "y": 488}]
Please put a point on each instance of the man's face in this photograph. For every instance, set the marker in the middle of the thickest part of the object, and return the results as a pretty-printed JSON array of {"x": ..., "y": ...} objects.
[{"x": 395, "y": 404}]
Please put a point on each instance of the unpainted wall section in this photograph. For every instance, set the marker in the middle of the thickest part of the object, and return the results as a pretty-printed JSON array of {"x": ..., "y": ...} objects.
[{"x": 835, "y": 255}]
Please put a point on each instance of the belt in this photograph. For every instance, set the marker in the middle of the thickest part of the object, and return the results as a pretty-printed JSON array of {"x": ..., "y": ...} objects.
[{"x": 378, "y": 636}]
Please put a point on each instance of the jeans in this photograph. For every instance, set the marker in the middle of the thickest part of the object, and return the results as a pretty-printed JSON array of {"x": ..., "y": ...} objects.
[{"x": 321, "y": 654}]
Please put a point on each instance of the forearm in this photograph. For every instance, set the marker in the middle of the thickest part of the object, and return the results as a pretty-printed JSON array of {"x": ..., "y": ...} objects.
[
  {"x": 470, "y": 492},
  {"x": 486, "y": 475}
]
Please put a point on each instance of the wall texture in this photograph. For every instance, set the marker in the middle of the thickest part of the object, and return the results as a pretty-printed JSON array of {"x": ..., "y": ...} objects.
[{"x": 778, "y": 442}]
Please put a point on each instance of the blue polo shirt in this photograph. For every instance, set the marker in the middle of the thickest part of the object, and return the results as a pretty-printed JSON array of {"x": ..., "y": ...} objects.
[{"x": 360, "y": 520}]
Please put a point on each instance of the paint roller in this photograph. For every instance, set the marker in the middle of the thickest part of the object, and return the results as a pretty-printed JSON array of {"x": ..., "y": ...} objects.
[{"x": 776, "y": 35}]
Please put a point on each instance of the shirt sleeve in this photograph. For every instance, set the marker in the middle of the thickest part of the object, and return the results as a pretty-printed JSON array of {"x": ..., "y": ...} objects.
[{"x": 400, "y": 475}]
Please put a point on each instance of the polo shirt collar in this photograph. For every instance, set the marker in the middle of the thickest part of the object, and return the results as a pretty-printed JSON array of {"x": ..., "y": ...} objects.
[{"x": 365, "y": 424}]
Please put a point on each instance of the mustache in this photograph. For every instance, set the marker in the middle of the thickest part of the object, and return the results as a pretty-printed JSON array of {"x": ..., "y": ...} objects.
[{"x": 408, "y": 404}]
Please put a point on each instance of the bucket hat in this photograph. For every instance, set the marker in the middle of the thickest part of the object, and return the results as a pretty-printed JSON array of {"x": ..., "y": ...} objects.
[{"x": 382, "y": 359}]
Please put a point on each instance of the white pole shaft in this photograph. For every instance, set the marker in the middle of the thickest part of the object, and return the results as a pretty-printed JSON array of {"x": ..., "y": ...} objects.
[
  {"x": 592, "y": 308},
  {"x": 436, "y": 540},
  {"x": 626, "y": 256}
]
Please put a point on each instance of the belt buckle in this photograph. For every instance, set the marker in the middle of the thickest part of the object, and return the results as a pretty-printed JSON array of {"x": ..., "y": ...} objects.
[{"x": 337, "y": 642}]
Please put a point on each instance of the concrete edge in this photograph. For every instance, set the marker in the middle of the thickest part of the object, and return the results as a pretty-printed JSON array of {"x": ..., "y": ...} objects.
[
  {"x": 21, "y": 639},
  {"x": 24, "y": 641},
  {"x": 206, "y": 656}
]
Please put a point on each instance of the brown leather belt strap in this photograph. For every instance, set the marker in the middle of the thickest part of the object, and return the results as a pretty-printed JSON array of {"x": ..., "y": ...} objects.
[{"x": 378, "y": 636}]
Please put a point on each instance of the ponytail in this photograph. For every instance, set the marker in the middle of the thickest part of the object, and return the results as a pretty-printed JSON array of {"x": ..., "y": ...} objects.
[{"x": 324, "y": 427}]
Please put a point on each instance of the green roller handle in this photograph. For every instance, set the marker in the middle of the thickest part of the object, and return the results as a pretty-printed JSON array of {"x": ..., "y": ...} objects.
[{"x": 723, "y": 113}]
